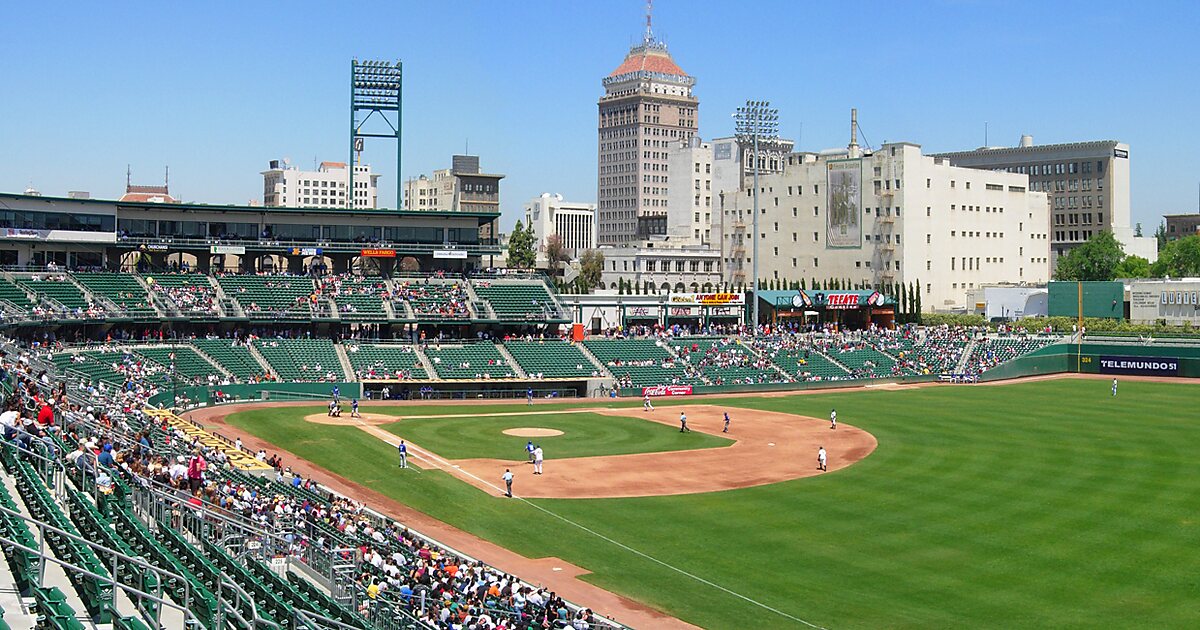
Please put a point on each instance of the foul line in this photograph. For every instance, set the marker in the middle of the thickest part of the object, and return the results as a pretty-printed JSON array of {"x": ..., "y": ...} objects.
[{"x": 435, "y": 459}]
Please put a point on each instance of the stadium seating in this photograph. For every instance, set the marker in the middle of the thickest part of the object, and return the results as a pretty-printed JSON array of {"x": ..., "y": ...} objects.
[
  {"x": 807, "y": 365},
  {"x": 993, "y": 351},
  {"x": 526, "y": 301},
  {"x": 122, "y": 289},
  {"x": 864, "y": 361},
  {"x": 268, "y": 296},
  {"x": 639, "y": 362},
  {"x": 60, "y": 290},
  {"x": 235, "y": 358},
  {"x": 94, "y": 365},
  {"x": 469, "y": 361},
  {"x": 384, "y": 362},
  {"x": 192, "y": 293},
  {"x": 14, "y": 294},
  {"x": 302, "y": 359},
  {"x": 357, "y": 298},
  {"x": 188, "y": 364},
  {"x": 432, "y": 299},
  {"x": 551, "y": 358}
]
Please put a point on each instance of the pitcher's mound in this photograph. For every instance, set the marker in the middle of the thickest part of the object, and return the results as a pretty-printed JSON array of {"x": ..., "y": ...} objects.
[{"x": 532, "y": 432}]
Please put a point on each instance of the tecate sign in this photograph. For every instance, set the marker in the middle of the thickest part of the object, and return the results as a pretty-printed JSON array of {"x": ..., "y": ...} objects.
[
  {"x": 667, "y": 390},
  {"x": 841, "y": 301},
  {"x": 1145, "y": 366}
]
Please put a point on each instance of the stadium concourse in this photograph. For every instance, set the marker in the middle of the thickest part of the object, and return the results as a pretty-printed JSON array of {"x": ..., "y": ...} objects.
[{"x": 113, "y": 510}]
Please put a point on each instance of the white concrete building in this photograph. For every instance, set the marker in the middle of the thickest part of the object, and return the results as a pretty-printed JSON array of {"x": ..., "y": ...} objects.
[
  {"x": 678, "y": 269},
  {"x": 1087, "y": 182},
  {"x": 463, "y": 187},
  {"x": 891, "y": 216},
  {"x": 289, "y": 187},
  {"x": 574, "y": 223}
]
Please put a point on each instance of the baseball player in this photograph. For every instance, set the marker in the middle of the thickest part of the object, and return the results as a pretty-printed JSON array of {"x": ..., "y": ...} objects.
[
  {"x": 508, "y": 476},
  {"x": 337, "y": 393},
  {"x": 537, "y": 460},
  {"x": 726, "y": 429},
  {"x": 833, "y": 419},
  {"x": 354, "y": 408},
  {"x": 529, "y": 397},
  {"x": 332, "y": 404},
  {"x": 529, "y": 450},
  {"x": 1114, "y": 387},
  {"x": 403, "y": 448},
  {"x": 821, "y": 458},
  {"x": 683, "y": 427},
  {"x": 646, "y": 406}
]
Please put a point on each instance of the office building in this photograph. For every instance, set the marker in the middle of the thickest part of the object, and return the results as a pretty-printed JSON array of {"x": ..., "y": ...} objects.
[
  {"x": 1087, "y": 183},
  {"x": 647, "y": 108},
  {"x": 287, "y": 186},
  {"x": 1181, "y": 225},
  {"x": 574, "y": 223},
  {"x": 461, "y": 188}
]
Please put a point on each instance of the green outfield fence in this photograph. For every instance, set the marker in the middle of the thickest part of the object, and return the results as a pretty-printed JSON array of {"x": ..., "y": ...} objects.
[{"x": 249, "y": 392}]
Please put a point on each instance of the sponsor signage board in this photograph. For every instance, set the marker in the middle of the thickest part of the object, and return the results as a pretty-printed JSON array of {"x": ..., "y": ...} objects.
[
  {"x": 707, "y": 299},
  {"x": 841, "y": 301},
  {"x": 456, "y": 254},
  {"x": 236, "y": 250},
  {"x": 1144, "y": 366},
  {"x": 378, "y": 253},
  {"x": 306, "y": 251},
  {"x": 667, "y": 390}
]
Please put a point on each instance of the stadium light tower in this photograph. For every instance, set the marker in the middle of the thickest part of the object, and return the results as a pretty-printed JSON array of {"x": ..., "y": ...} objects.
[
  {"x": 756, "y": 121},
  {"x": 375, "y": 88}
]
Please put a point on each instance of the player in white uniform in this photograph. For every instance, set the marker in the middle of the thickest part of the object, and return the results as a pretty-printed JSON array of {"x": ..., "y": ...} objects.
[
  {"x": 683, "y": 427},
  {"x": 1114, "y": 387},
  {"x": 833, "y": 419},
  {"x": 821, "y": 458},
  {"x": 537, "y": 460},
  {"x": 646, "y": 406}
]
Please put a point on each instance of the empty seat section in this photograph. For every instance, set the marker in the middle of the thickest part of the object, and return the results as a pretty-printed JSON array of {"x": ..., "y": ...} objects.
[
  {"x": 62, "y": 291},
  {"x": 385, "y": 362},
  {"x": 639, "y": 362},
  {"x": 188, "y": 364},
  {"x": 807, "y": 365},
  {"x": 123, "y": 289},
  {"x": 270, "y": 295},
  {"x": 470, "y": 361},
  {"x": 302, "y": 359},
  {"x": 551, "y": 359},
  {"x": 14, "y": 294},
  {"x": 518, "y": 300},
  {"x": 93, "y": 365},
  {"x": 235, "y": 358}
]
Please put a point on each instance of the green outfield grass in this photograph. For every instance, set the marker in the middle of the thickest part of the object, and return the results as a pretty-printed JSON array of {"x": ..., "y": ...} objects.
[
  {"x": 584, "y": 435},
  {"x": 1042, "y": 504}
]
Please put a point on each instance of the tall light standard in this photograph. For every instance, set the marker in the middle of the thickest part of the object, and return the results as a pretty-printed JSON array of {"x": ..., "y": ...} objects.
[{"x": 757, "y": 120}]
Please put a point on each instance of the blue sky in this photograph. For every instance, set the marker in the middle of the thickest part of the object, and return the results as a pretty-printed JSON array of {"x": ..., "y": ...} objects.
[{"x": 216, "y": 89}]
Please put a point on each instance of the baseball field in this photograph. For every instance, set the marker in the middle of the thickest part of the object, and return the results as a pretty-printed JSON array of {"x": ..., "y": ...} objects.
[{"x": 1044, "y": 503}]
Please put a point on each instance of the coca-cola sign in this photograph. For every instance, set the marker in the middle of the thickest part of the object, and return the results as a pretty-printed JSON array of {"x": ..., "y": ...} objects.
[{"x": 667, "y": 390}]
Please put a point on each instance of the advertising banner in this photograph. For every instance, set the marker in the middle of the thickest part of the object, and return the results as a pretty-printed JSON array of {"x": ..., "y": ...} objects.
[
  {"x": 843, "y": 190},
  {"x": 306, "y": 251},
  {"x": 459, "y": 254},
  {"x": 841, "y": 301},
  {"x": 236, "y": 250},
  {"x": 1142, "y": 366},
  {"x": 378, "y": 253},
  {"x": 707, "y": 299},
  {"x": 667, "y": 390}
]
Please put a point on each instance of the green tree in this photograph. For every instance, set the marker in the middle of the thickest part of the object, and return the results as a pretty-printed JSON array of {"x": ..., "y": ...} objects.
[
  {"x": 1097, "y": 259},
  {"x": 1137, "y": 229},
  {"x": 591, "y": 268},
  {"x": 1178, "y": 259},
  {"x": 1133, "y": 267},
  {"x": 520, "y": 248},
  {"x": 918, "y": 304},
  {"x": 1161, "y": 235}
]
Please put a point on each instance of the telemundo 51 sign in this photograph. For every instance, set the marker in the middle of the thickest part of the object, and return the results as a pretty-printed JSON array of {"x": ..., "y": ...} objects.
[{"x": 1140, "y": 366}]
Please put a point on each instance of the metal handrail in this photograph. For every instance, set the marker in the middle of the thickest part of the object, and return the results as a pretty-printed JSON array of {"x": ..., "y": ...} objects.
[{"x": 43, "y": 556}]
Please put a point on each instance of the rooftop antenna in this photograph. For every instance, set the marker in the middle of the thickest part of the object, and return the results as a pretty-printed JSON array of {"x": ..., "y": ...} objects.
[
  {"x": 853, "y": 132},
  {"x": 167, "y": 178},
  {"x": 649, "y": 31},
  {"x": 128, "y": 177}
]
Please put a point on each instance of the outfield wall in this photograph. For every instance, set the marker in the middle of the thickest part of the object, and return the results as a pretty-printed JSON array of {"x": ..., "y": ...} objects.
[{"x": 250, "y": 392}]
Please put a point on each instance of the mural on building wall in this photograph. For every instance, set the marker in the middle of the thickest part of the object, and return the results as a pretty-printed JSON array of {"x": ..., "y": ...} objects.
[{"x": 844, "y": 203}]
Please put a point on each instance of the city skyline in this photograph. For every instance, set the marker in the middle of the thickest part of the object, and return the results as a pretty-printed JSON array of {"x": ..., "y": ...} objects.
[{"x": 141, "y": 86}]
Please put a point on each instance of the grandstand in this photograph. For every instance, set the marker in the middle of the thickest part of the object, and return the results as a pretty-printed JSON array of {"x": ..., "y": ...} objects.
[
  {"x": 469, "y": 361},
  {"x": 121, "y": 289},
  {"x": 639, "y": 362},
  {"x": 864, "y": 360},
  {"x": 357, "y": 298},
  {"x": 518, "y": 300},
  {"x": 14, "y": 295},
  {"x": 302, "y": 359},
  {"x": 723, "y": 361},
  {"x": 234, "y": 357},
  {"x": 270, "y": 296},
  {"x": 58, "y": 288},
  {"x": 384, "y": 362},
  {"x": 432, "y": 299},
  {"x": 806, "y": 364},
  {"x": 552, "y": 358},
  {"x": 192, "y": 294},
  {"x": 188, "y": 363}
]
